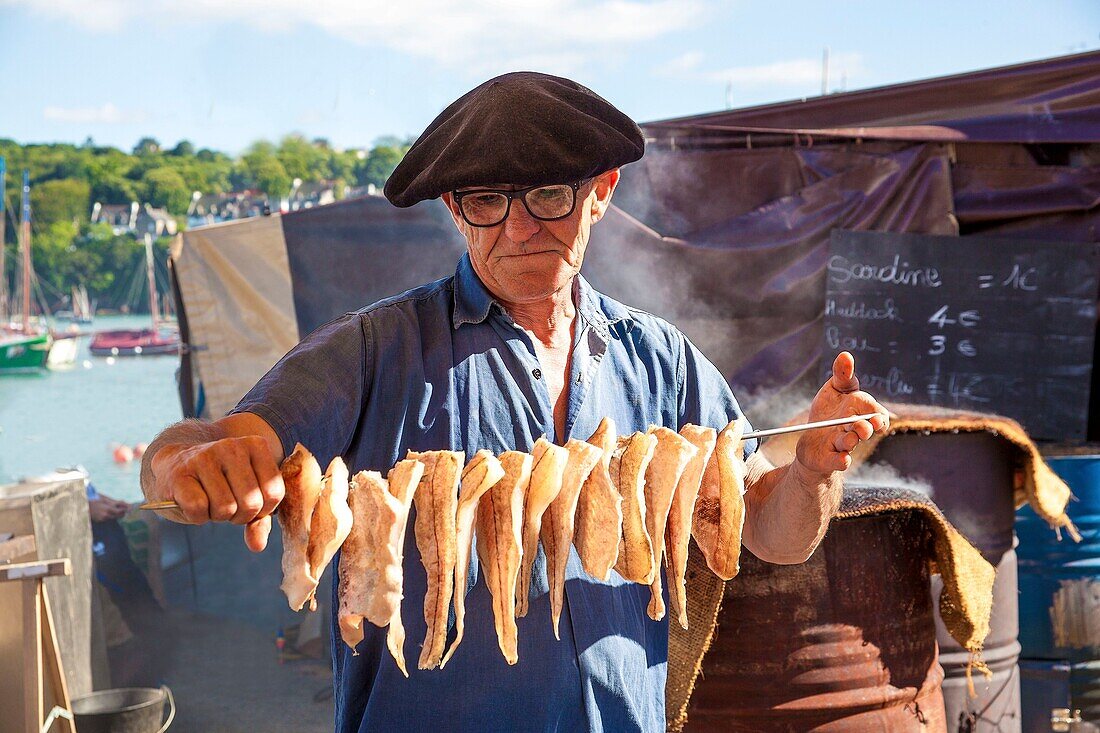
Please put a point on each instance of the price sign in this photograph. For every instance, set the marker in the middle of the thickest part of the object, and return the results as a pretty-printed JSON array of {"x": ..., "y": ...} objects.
[{"x": 994, "y": 325}]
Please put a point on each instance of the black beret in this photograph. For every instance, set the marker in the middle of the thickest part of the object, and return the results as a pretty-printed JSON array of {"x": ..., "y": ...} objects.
[{"x": 522, "y": 128}]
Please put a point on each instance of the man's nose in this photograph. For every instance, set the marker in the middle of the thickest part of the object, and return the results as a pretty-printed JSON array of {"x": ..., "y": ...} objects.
[{"x": 520, "y": 225}]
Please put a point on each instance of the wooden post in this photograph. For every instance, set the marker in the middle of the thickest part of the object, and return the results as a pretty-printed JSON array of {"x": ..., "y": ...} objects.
[
  {"x": 58, "y": 684},
  {"x": 33, "y": 713},
  {"x": 40, "y": 651}
]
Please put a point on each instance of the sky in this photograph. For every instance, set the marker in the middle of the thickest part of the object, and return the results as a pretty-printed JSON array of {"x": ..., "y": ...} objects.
[{"x": 223, "y": 73}]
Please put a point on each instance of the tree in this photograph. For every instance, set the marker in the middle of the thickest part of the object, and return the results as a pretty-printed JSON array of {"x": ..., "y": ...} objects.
[
  {"x": 66, "y": 200},
  {"x": 378, "y": 165},
  {"x": 147, "y": 146},
  {"x": 343, "y": 164},
  {"x": 183, "y": 148},
  {"x": 271, "y": 177},
  {"x": 166, "y": 187},
  {"x": 304, "y": 160}
]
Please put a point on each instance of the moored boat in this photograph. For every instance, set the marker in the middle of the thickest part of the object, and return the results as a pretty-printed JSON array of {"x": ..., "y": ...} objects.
[
  {"x": 135, "y": 342},
  {"x": 24, "y": 352},
  {"x": 24, "y": 346},
  {"x": 159, "y": 339},
  {"x": 64, "y": 350}
]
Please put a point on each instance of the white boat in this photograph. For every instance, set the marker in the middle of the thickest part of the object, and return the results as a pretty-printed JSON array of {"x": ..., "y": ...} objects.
[{"x": 63, "y": 351}]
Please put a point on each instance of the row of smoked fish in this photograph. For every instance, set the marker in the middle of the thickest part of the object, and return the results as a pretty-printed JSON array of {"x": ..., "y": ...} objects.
[{"x": 623, "y": 502}]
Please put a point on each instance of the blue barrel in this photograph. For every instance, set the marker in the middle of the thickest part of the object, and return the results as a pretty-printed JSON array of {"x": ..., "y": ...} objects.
[{"x": 1060, "y": 585}]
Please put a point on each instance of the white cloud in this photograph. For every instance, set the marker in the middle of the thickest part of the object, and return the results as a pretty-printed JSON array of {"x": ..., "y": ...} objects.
[
  {"x": 102, "y": 15},
  {"x": 794, "y": 72},
  {"x": 106, "y": 114},
  {"x": 683, "y": 65},
  {"x": 476, "y": 35}
]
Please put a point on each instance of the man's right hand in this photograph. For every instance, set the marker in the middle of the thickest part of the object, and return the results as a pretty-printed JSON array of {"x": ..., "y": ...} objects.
[{"x": 234, "y": 478}]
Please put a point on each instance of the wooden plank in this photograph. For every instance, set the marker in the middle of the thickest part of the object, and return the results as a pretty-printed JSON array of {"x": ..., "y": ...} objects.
[
  {"x": 55, "y": 668},
  {"x": 35, "y": 569},
  {"x": 33, "y": 713},
  {"x": 16, "y": 547}
]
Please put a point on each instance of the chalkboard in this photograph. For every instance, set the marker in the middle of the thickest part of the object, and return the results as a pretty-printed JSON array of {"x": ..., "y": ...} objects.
[{"x": 993, "y": 325}]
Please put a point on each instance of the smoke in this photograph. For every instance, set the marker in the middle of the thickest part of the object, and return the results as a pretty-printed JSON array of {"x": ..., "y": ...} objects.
[{"x": 883, "y": 475}]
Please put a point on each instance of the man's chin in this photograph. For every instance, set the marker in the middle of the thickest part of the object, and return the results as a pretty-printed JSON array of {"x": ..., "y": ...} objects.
[{"x": 538, "y": 282}]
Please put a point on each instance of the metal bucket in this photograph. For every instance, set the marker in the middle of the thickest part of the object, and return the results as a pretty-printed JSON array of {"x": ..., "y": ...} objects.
[
  {"x": 125, "y": 710},
  {"x": 1060, "y": 585},
  {"x": 842, "y": 642},
  {"x": 971, "y": 481}
]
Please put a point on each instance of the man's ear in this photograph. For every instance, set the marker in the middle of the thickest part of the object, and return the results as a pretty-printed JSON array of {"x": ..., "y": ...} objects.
[{"x": 606, "y": 183}]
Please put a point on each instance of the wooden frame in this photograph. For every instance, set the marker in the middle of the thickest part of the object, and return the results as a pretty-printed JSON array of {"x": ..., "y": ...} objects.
[{"x": 43, "y": 672}]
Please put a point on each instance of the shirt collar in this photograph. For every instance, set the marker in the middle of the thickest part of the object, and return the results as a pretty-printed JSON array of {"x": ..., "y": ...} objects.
[
  {"x": 473, "y": 301},
  {"x": 597, "y": 309}
]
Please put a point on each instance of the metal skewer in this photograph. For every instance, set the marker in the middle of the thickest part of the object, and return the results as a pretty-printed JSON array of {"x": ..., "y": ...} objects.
[
  {"x": 169, "y": 504},
  {"x": 811, "y": 425}
]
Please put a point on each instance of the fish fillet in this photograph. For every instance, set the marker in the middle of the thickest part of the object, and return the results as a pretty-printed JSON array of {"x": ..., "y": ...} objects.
[
  {"x": 480, "y": 474},
  {"x": 403, "y": 480},
  {"x": 547, "y": 470},
  {"x": 670, "y": 458},
  {"x": 558, "y": 521},
  {"x": 436, "y": 501},
  {"x": 628, "y": 466},
  {"x": 330, "y": 523},
  {"x": 720, "y": 508},
  {"x": 600, "y": 510},
  {"x": 370, "y": 560},
  {"x": 499, "y": 543},
  {"x": 678, "y": 534},
  {"x": 302, "y": 478}
]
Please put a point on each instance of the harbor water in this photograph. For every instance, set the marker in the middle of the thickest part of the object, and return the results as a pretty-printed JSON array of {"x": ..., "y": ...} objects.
[{"x": 61, "y": 418}]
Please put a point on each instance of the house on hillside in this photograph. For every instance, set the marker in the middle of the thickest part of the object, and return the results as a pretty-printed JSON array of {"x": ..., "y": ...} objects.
[
  {"x": 212, "y": 208},
  {"x": 135, "y": 219},
  {"x": 309, "y": 194},
  {"x": 155, "y": 221},
  {"x": 121, "y": 217}
]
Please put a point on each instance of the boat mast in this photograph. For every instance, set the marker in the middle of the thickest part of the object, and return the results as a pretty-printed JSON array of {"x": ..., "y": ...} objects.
[
  {"x": 25, "y": 225},
  {"x": 154, "y": 310},
  {"x": 3, "y": 231}
]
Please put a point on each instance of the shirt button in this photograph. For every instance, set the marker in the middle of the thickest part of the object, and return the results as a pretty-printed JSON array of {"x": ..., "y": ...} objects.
[{"x": 536, "y": 373}]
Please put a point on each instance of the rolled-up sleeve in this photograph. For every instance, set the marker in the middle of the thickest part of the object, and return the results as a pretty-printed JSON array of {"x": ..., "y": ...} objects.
[
  {"x": 705, "y": 396},
  {"x": 314, "y": 395}
]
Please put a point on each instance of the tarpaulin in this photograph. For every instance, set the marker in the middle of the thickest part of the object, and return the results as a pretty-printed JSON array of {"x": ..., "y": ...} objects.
[
  {"x": 235, "y": 283},
  {"x": 1051, "y": 101},
  {"x": 748, "y": 287}
]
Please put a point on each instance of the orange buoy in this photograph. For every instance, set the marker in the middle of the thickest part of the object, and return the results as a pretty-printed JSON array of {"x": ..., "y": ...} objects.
[
  {"x": 139, "y": 450},
  {"x": 123, "y": 454}
]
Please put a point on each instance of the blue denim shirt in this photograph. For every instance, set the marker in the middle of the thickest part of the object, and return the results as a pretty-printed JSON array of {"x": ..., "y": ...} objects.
[{"x": 443, "y": 366}]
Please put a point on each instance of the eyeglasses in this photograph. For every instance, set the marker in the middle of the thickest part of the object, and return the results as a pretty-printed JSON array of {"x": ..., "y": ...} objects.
[{"x": 487, "y": 207}]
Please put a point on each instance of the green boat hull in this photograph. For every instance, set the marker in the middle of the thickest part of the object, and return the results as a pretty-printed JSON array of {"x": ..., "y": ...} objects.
[{"x": 24, "y": 353}]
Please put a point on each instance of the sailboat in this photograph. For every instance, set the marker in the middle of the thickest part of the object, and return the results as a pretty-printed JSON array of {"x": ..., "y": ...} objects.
[
  {"x": 23, "y": 346},
  {"x": 83, "y": 308},
  {"x": 159, "y": 339}
]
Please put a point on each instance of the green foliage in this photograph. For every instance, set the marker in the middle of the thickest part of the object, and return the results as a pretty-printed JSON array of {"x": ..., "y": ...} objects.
[
  {"x": 147, "y": 146},
  {"x": 66, "y": 180},
  {"x": 166, "y": 188},
  {"x": 378, "y": 165},
  {"x": 183, "y": 148},
  {"x": 304, "y": 160},
  {"x": 271, "y": 177},
  {"x": 64, "y": 200}
]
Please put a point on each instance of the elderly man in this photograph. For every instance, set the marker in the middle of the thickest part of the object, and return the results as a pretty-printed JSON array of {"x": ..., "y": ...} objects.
[{"x": 515, "y": 345}]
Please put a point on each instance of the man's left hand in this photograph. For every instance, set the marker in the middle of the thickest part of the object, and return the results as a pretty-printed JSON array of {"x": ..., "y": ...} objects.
[
  {"x": 824, "y": 450},
  {"x": 104, "y": 507}
]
